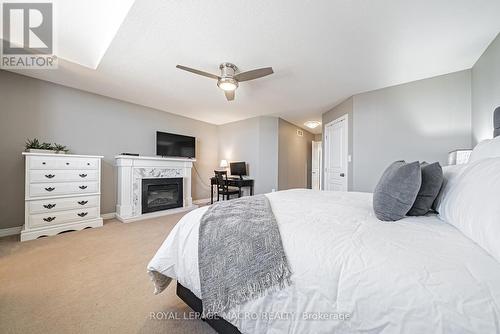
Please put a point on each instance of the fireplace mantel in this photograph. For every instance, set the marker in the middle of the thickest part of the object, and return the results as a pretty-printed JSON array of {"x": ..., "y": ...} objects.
[{"x": 131, "y": 171}]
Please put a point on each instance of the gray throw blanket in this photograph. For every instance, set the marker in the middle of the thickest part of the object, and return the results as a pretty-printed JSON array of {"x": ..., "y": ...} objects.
[{"x": 240, "y": 254}]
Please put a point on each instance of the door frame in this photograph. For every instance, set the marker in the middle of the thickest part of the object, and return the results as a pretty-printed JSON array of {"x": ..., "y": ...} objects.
[{"x": 345, "y": 118}]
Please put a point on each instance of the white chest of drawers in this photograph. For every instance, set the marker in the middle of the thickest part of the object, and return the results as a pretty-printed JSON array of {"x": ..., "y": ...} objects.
[{"x": 62, "y": 193}]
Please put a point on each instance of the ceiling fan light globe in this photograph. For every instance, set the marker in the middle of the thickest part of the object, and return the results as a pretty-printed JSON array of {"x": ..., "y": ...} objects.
[{"x": 227, "y": 84}]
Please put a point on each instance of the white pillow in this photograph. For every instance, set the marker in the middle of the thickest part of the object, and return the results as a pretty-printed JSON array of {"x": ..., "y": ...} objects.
[
  {"x": 489, "y": 148},
  {"x": 472, "y": 204},
  {"x": 451, "y": 175}
]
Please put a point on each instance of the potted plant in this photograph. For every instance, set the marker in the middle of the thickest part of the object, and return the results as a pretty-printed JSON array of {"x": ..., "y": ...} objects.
[
  {"x": 34, "y": 146},
  {"x": 60, "y": 149}
]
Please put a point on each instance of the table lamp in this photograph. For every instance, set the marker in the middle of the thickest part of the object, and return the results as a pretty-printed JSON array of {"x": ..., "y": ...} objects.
[{"x": 459, "y": 157}]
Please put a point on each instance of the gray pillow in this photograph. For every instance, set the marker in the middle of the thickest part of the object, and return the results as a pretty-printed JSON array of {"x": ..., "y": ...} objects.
[
  {"x": 432, "y": 180},
  {"x": 396, "y": 190}
]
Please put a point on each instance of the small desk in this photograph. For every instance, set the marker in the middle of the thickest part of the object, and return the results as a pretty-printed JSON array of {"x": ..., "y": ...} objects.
[{"x": 232, "y": 182}]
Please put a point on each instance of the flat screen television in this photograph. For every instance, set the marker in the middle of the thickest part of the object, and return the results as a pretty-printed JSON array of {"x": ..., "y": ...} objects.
[{"x": 172, "y": 145}]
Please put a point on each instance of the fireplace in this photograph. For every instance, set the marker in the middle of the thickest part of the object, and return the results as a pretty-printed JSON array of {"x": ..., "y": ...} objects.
[{"x": 161, "y": 194}]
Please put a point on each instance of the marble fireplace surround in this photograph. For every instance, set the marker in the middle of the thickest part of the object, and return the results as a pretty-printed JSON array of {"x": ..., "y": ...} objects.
[{"x": 131, "y": 171}]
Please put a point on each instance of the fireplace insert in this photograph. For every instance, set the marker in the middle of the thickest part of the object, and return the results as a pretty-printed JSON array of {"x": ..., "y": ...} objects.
[{"x": 161, "y": 194}]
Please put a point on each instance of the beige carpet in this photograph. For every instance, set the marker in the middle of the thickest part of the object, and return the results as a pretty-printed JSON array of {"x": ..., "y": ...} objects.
[{"x": 91, "y": 281}]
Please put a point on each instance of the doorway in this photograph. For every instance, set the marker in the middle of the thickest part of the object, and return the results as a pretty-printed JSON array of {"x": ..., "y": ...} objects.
[
  {"x": 316, "y": 162},
  {"x": 336, "y": 154}
]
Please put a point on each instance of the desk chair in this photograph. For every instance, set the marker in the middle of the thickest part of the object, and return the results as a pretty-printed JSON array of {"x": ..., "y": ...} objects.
[{"x": 222, "y": 186}]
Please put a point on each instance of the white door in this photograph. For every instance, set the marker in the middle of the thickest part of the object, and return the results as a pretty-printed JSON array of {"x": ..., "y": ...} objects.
[
  {"x": 316, "y": 165},
  {"x": 336, "y": 143}
]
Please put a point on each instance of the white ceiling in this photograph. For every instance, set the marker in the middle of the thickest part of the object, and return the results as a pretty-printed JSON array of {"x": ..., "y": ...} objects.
[
  {"x": 83, "y": 29},
  {"x": 322, "y": 51}
]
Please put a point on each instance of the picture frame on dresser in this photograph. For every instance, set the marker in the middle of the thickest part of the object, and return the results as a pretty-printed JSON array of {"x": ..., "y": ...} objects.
[{"x": 62, "y": 193}]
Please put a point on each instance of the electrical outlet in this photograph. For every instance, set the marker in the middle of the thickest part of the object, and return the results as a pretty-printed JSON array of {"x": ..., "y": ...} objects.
[{"x": 300, "y": 133}]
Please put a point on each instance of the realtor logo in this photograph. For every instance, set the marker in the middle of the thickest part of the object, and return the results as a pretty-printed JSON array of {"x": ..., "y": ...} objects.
[{"x": 28, "y": 36}]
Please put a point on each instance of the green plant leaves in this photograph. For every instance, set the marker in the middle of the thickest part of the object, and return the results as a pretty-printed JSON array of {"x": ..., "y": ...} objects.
[{"x": 35, "y": 144}]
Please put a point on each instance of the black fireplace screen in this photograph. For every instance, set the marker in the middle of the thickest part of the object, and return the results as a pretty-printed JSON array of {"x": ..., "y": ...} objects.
[{"x": 161, "y": 194}]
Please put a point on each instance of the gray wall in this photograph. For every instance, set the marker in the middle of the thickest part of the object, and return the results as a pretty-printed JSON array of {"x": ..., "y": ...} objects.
[
  {"x": 276, "y": 157},
  {"x": 421, "y": 120},
  {"x": 87, "y": 124},
  {"x": 255, "y": 141},
  {"x": 268, "y": 154},
  {"x": 338, "y": 111},
  {"x": 294, "y": 166},
  {"x": 485, "y": 92}
]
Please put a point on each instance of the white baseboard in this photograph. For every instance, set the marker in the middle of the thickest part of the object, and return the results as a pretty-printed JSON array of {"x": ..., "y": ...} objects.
[
  {"x": 107, "y": 216},
  {"x": 4, "y": 232},
  {"x": 155, "y": 214},
  {"x": 201, "y": 201}
]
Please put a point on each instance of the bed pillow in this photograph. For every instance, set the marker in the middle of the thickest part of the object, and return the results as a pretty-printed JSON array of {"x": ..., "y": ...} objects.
[
  {"x": 489, "y": 148},
  {"x": 432, "y": 180},
  {"x": 472, "y": 204},
  {"x": 396, "y": 190},
  {"x": 451, "y": 175}
]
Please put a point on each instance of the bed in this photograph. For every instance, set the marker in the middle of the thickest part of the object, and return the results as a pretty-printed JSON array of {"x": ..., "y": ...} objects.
[
  {"x": 353, "y": 273},
  {"x": 418, "y": 275}
]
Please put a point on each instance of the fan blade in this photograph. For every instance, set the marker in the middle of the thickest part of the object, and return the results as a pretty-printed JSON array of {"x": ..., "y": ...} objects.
[
  {"x": 192, "y": 70},
  {"x": 254, "y": 74},
  {"x": 229, "y": 94}
]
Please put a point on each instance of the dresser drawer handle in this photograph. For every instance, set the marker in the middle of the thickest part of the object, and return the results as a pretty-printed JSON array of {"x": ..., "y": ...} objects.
[
  {"x": 83, "y": 202},
  {"x": 50, "y": 188},
  {"x": 49, "y": 219},
  {"x": 83, "y": 175},
  {"x": 49, "y": 176},
  {"x": 49, "y": 206},
  {"x": 83, "y": 214},
  {"x": 67, "y": 164},
  {"x": 82, "y": 187}
]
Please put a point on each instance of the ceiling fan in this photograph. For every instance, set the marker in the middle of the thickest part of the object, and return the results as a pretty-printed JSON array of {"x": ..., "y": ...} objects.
[{"x": 230, "y": 77}]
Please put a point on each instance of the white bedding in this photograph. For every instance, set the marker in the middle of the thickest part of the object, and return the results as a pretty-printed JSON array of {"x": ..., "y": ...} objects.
[{"x": 417, "y": 275}]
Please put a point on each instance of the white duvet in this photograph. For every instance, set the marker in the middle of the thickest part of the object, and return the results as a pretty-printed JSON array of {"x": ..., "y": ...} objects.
[{"x": 417, "y": 275}]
